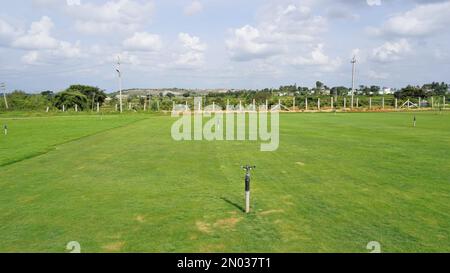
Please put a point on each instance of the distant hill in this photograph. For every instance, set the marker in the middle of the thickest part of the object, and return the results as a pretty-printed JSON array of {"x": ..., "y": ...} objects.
[{"x": 175, "y": 91}]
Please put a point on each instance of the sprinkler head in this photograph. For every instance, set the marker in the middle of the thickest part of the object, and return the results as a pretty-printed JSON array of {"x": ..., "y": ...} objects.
[{"x": 248, "y": 168}]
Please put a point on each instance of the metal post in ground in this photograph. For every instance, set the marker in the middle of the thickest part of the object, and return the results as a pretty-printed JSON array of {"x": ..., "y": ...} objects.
[{"x": 247, "y": 186}]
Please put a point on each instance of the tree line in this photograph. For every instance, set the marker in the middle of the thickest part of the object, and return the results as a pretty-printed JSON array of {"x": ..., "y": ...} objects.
[{"x": 87, "y": 97}]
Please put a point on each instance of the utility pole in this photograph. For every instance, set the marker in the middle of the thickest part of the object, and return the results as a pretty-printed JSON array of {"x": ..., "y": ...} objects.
[
  {"x": 3, "y": 88},
  {"x": 353, "y": 77},
  {"x": 120, "y": 83}
]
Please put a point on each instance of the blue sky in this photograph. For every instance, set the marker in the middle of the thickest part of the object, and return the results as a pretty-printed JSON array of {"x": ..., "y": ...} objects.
[{"x": 50, "y": 44}]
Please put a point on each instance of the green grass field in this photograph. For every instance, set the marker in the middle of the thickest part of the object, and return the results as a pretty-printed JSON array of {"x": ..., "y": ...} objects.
[{"x": 121, "y": 184}]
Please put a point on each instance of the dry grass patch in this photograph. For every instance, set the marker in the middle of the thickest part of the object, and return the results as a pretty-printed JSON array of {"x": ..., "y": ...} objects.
[
  {"x": 227, "y": 223},
  {"x": 268, "y": 212},
  {"x": 203, "y": 227},
  {"x": 114, "y": 247},
  {"x": 140, "y": 218}
]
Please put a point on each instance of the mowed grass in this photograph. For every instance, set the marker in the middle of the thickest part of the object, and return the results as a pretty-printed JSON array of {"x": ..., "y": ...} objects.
[
  {"x": 336, "y": 183},
  {"x": 29, "y": 136}
]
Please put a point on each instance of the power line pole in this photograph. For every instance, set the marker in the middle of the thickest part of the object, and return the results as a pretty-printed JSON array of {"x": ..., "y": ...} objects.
[
  {"x": 120, "y": 83},
  {"x": 3, "y": 88},
  {"x": 353, "y": 78}
]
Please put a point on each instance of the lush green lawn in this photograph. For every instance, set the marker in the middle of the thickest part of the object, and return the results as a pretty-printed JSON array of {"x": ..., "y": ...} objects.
[
  {"x": 122, "y": 184},
  {"x": 29, "y": 136}
]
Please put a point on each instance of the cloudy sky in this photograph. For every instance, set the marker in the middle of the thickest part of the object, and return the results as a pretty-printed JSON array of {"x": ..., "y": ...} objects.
[{"x": 50, "y": 44}]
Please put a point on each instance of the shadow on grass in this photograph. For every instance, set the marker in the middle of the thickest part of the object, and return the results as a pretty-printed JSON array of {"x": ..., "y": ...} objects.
[{"x": 232, "y": 203}]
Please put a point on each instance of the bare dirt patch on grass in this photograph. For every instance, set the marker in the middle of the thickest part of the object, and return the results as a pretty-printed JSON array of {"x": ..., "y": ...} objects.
[
  {"x": 222, "y": 224},
  {"x": 140, "y": 218},
  {"x": 114, "y": 247},
  {"x": 203, "y": 227},
  {"x": 227, "y": 223}
]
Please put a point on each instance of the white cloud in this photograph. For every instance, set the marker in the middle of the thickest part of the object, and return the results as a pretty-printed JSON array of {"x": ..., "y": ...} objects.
[
  {"x": 111, "y": 17},
  {"x": 247, "y": 44},
  {"x": 293, "y": 23},
  {"x": 38, "y": 36},
  {"x": 68, "y": 50},
  {"x": 30, "y": 58},
  {"x": 192, "y": 50},
  {"x": 143, "y": 41},
  {"x": 289, "y": 34},
  {"x": 318, "y": 58},
  {"x": 340, "y": 12},
  {"x": 7, "y": 33},
  {"x": 46, "y": 3},
  {"x": 391, "y": 51},
  {"x": 126, "y": 58},
  {"x": 193, "y": 8},
  {"x": 73, "y": 2},
  {"x": 190, "y": 58},
  {"x": 281, "y": 30},
  {"x": 41, "y": 43},
  {"x": 62, "y": 52},
  {"x": 356, "y": 52},
  {"x": 423, "y": 20},
  {"x": 191, "y": 42},
  {"x": 373, "y": 2}
]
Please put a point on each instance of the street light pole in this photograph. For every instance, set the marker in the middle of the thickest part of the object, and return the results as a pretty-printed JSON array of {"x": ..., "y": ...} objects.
[
  {"x": 3, "y": 88},
  {"x": 120, "y": 84},
  {"x": 353, "y": 78}
]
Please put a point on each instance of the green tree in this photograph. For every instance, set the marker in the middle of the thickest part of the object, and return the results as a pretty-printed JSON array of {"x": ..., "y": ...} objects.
[
  {"x": 320, "y": 87},
  {"x": 410, "y": 92},
  {"x": 375, "y": 90},
  {"x": 94, "y": 95},
  {"x": 435, "y": 88},
  {"x": 71, "y": 98},
  {"x": 48, "y": 94},
  {"x": 304, "y": 91},
  {"x": 18, "y": 100},
  {"x": 339, "y": 91}
]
